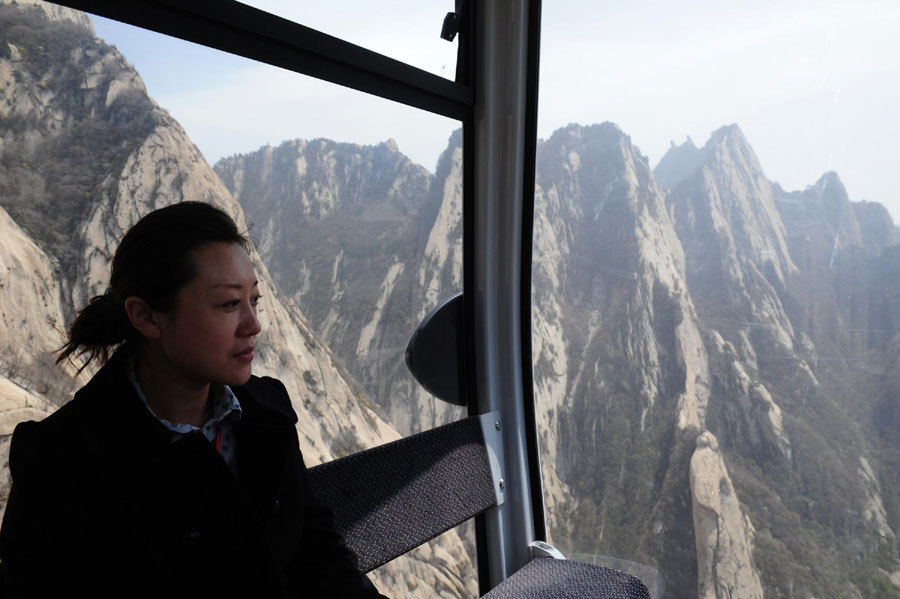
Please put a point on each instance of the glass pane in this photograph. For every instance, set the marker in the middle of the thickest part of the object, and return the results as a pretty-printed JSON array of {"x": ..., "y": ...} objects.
[
  {"x": 206, "y": 96},
  {"x": 352, "y": 201},
  {"x": 406, "y": 31},
  {"x": 715, "y": 319}
]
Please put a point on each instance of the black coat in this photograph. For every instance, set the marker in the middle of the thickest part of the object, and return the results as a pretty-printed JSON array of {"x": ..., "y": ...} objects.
[{"x": 104, "y": 503}]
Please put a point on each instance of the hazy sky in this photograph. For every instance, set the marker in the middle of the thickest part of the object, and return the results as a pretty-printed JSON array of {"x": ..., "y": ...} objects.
[{"x": 815, "y": 86}]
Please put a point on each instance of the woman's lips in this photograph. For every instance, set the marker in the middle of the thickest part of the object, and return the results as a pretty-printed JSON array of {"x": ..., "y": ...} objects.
[{"x": 245, "y": 355}]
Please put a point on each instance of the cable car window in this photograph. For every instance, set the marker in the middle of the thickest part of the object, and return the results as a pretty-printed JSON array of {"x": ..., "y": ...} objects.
[
  {"x": 353, "y": 201},
  {"x": 714, "y": 318},
  {"x": 407, "y": 31}
]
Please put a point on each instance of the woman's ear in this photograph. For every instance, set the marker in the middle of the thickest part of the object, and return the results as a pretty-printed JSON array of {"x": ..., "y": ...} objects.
[{"x": 142, "y": 317}]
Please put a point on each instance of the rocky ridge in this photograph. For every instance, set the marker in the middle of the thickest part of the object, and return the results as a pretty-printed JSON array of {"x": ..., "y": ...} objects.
[
  {"x": 785, "y": 344},
  {"x": 634, "y": 395}
]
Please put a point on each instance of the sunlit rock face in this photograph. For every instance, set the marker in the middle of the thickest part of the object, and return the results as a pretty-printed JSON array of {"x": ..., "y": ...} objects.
[
  {"x": 796, "y": 323},
  {"x": 84, "y": 153},
  {"x": 31, "y": 319},
  {"x": 840, "y": 290},
  {"x": 738, "y": 268},
  {"x": 620, "y": 367},
  {"x": 724, "y": 561},
  {"x": 653, "y": 328},
  {"x": 734, "y": 241},
  {"x": 366, "y": 243}
]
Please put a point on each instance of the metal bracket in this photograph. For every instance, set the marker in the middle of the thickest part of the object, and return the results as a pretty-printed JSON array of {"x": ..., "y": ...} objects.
[
  {"x": 542, "y": 549},
  {"x": 450, "y": 27},
  {"x": 490, "y": 430}
]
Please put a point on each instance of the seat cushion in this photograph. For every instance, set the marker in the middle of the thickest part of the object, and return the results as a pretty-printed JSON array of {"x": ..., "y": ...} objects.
[{"x": 548, "y": 578}]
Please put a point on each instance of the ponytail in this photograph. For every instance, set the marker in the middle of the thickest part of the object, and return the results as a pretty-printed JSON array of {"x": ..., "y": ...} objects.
[{"x": 102, "y": 324}]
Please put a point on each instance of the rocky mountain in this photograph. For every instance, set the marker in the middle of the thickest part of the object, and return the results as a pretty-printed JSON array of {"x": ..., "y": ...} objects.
[
  {"x": 801, "y": 328},
  {"x": 84, "y": 152},
  {"x": 691, "y": 413}
]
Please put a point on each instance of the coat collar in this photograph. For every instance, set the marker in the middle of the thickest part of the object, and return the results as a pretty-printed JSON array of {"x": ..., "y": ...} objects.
[{"x": 134, "y": 448}]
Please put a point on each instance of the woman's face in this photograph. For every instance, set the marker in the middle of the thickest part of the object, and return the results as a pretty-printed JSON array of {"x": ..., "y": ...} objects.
[{"x": 209, "y": 336}]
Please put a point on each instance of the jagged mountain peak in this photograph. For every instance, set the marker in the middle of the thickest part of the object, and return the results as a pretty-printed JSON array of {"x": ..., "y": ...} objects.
[
  {"x": 454, "y": 143},
  {"x": 823, "y": 216},
  {"x": 831, "y": 196},
  {"x": 728, "y": 147},
  {"x": 367, "y": 172},
  {"x": 830, "y": 183},
  {"x": 724, "y": 133},
  {"x": 688, "y": 142},
  {"x": 678, "y": 162},
  {"x": 601, "y": 156},
  {"x": 727, "y": 163},
  {"x": 726, "y": 144},
  {"x": 321, "y": 146},
  {"x": 390, "y": 144},
  {"x": 577, "y": 131},
  {"x": 734, "y": 239}
]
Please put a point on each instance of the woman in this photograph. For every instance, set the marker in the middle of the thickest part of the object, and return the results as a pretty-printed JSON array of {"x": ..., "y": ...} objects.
[{"x": 173, "y": 472}]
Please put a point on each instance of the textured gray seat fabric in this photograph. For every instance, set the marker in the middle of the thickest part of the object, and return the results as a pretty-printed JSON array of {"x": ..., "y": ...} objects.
[
  {"x": 394, "y": 497},
  {"x": 547, "y": 578}
]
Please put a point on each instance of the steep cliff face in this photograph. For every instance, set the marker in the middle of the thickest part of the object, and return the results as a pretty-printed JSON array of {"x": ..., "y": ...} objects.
[
  {"x": 738, "y": 265},
  {"x": 621, "y": 371},
  {"x": 785, "y": 292},
  {"x": 84, "y": 153},
  {"x": 31, "y": 315},
  {"x": 839, "y": 244},
  {"x": 365, "y": 242},
  {"x": 734, "y": 241},
  {"x": 679, "y": 383},
  {"x": 724, "y": 543}
]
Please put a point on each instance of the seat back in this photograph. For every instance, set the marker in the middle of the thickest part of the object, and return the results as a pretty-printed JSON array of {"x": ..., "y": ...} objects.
[{"x": 392, "y": 498}]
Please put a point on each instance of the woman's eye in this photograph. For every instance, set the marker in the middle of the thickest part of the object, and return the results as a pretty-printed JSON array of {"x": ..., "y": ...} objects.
[
  {"x": 231, "y": 304},
  {"x": 255, "y": 300}
]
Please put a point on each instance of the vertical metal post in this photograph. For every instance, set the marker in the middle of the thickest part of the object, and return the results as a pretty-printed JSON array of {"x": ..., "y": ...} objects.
[{"x": 501, "y": 130}]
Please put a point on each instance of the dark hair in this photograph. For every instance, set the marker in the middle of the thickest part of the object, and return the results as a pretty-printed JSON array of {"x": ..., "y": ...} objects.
[{"x": 153, "y": 262}]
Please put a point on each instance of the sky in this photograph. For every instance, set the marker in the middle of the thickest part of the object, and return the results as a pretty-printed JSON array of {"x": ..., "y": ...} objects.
[{"x": 815, "y": 86}]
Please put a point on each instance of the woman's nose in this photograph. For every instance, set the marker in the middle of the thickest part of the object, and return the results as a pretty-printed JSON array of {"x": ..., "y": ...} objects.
[{"x": 250, "y": 324}]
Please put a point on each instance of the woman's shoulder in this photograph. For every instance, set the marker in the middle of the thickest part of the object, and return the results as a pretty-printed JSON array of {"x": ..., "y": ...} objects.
[
  {"x": 60, "y": 440},
  {"x": 48, "y": 443},
  {"x": 266, "y": 398}
]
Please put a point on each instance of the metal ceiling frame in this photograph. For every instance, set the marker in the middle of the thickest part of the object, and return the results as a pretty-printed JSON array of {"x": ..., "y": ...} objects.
[{"x": 236, "y": 28}]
